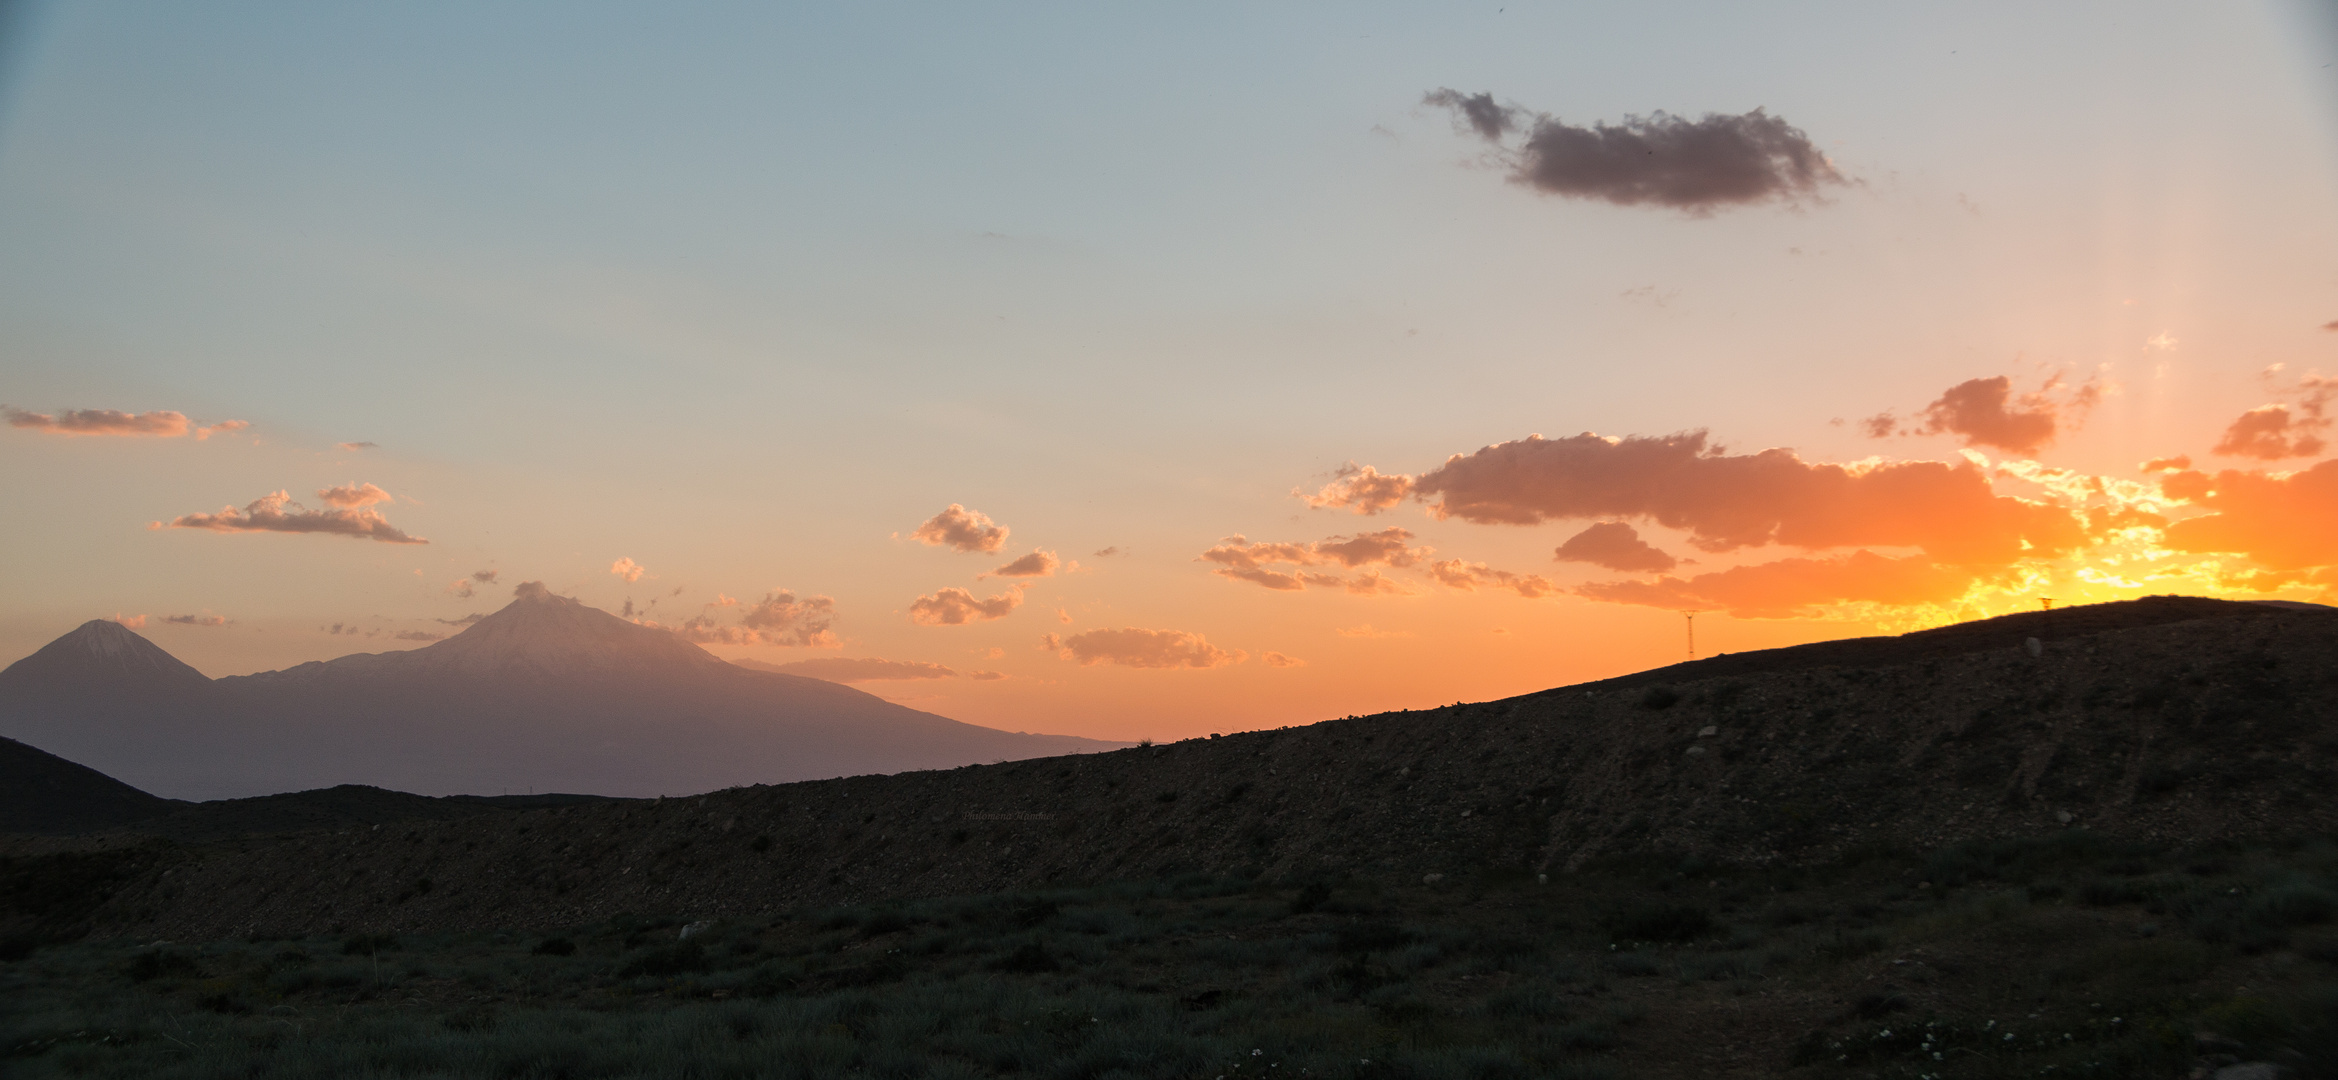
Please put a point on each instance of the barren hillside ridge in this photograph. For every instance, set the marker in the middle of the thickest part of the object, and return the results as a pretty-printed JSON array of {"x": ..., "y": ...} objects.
[
  {"x": 2176, "y": 719},
  {"x": 546, "y": 694},
  {"x": 44, "y": 793}
]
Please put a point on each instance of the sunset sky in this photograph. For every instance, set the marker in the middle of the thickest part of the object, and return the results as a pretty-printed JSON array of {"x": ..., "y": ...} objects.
[{"x": 1133, "y": 373}]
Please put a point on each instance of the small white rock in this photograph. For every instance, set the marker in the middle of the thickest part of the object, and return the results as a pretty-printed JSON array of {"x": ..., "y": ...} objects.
[
  {"x": 1708, "y": 731},
  {"x": 695, "y": 929}
]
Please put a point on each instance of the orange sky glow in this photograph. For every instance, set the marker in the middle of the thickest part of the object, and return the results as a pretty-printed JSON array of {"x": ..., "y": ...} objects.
[{"x": 1406, "y": 358}]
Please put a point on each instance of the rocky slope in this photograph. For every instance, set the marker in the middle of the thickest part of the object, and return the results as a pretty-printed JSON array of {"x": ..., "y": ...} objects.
[{"x": 2220, "y": 724}]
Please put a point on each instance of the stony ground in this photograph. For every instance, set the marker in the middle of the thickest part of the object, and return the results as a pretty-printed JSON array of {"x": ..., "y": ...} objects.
[{"x": 2065, "y": 956}]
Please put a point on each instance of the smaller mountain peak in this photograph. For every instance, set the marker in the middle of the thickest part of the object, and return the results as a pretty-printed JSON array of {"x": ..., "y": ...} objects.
[
  {"x": 100, "y": 651},
  {"x": 108, "y": 638}
]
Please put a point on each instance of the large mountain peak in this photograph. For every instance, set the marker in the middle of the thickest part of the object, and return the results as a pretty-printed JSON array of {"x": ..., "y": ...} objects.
[
  {"x": 550, "y": 634},
  {"x": 100, "y": 653}
]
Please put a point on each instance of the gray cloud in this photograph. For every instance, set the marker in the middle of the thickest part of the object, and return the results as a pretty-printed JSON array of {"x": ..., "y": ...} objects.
[
  {"x": 1659, "y": 159},
  {"x": 782, "y": 619},
  {"x": 1476, "y": 112},
  {"x": 1616, "y": 546}
]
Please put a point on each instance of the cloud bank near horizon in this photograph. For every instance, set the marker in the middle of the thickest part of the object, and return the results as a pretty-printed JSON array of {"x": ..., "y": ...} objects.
[
  {"x": 1135, "y": 647},
  {"x": 1876, "y": 534}
]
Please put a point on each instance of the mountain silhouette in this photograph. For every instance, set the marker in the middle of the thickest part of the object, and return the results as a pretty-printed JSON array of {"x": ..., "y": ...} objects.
[
  {"x": 547, "y": 694},
  {"x": 44, "y": 793}
]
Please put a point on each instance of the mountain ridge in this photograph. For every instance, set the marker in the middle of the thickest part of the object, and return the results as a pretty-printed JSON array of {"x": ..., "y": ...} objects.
[{"x": 546, "y": 693}]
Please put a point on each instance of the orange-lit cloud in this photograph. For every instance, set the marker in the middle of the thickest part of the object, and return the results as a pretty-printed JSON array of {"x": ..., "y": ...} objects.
[
  {"x": 1359, "y": 488},
  {"x": 1133, "y": 647},
  {"x": 418, "y": 635},
  {"x": 353, "y": 495},
  {"x": 1660, "y": 159},
  {"x": 1616, "y": 546},
  {"x": 953, "y": 606},
  {"x": 1368, "y": 631},
  {"x": 1240, "y": 560},
  {"x": 466, "y": 587},
  {"x": 1278, "y": 660},
  {"x": 782, "y": 619},
  {"x": 2273, "y": 432},
  {"x": 161, "y": 423},
  {"x": 1731, "y": 501},
  {"x": 2286, "y": 521},
  {"x": 702, "y": 630},
  {"x": 2178, "y": 463},
  {"x": 278, "y": 513},
  {"x": 196, "y": 620},
  {"x": 134, "y": 622},
  {"x": 359, "y": 445},
  {"x": 961, "y": 529},
  {"x": 1790, "y": 588},
  {"x": 843, "y": 669},
  {"x": 1470, "y": 576},
  {"x": 628, "y": 569},
  {"x": 1040, "y": 563}
]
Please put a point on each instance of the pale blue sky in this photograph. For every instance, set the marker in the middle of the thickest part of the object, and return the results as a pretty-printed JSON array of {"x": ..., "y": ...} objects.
[{"x": 738, "y": 291}]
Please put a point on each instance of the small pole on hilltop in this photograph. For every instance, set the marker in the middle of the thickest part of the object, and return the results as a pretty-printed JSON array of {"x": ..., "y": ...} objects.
[
  {"x": 1692, "y": 619},
  {"x": 2048, "y": 601}
]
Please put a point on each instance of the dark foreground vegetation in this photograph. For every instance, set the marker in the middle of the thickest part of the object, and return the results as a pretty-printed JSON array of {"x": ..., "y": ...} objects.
[{"x": 2069, "y": 955}]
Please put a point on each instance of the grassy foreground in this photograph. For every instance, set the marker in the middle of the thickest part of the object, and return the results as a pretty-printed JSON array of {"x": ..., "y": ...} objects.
[{"x": 2067, "y": 956}]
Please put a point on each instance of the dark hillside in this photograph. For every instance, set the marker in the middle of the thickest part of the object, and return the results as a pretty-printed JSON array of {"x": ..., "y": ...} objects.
[
  {"x": 346, "y": 807},
  {"x": 43, "y": 793},
  {"x": 2003, "y": 632},
  {"x": 2214, "y": 725}
]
